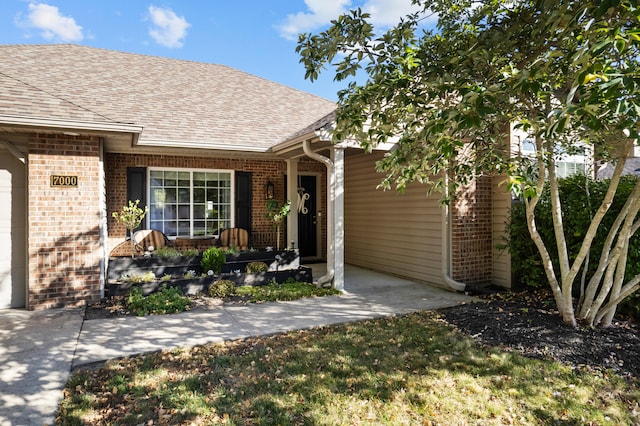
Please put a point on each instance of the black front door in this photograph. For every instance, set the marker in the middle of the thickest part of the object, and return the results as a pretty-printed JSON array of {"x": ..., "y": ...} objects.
[{"x": 307, "y": 216}]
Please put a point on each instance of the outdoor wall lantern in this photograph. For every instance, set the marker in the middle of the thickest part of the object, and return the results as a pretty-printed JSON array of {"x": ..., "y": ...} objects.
[{"x": 269, "y": 190}]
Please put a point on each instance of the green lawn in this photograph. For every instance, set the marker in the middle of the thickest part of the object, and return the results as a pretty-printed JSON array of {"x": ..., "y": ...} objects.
[{"x": 410, "y": 369}]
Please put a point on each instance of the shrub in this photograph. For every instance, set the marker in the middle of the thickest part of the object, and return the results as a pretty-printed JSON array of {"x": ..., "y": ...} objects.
[
  {"x": 166, "y": 301},
  {"x": 167, "y": 252},
  {"x": 222, "y": 288},
  {"x": 147, "y": 277},
  {"x": 190, "y": 252},
  {"x": 253, "y": 267},
  {"x": 212, "y": 260},
  {"x": 581, "y": 197}
]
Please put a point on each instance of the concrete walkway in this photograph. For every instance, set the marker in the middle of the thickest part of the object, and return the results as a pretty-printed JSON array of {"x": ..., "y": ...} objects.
[{"x": 38, "y": 349}]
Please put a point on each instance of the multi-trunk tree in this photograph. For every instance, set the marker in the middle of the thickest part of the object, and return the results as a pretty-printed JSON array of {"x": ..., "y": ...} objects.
[{"x": 564, "y": 72}]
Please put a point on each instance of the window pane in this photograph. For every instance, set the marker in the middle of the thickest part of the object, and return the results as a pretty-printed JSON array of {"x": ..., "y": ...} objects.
[
  {"x": 169, "y": 212},
  {"x": 170, "y": 195},
  {"x": 199, "y": 179},
  {"x": 199, "y": 196},
  {"x": 156, "y": 178},
  {"x": 184, "y": 227},
  {"x": 184, "y": 195},
  {"x": 184, "y": 179},
  {"x": 199, "y": 211},
  {"x": 184, "y": 212},
  {"x": 155, "y": 213},
  {"x": 199, "y": 228}
]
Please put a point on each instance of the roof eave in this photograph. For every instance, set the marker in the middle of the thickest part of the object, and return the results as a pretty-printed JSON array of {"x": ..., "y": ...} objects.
[
  {"x": 158, "y": 143},
  {"x": 40, "y": 123}
]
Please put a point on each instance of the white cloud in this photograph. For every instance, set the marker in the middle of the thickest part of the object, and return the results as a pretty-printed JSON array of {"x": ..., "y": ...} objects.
[
  {"x": 320, "y": 13},
  {"x": 169, "y": 29},
  {"x": 52, "y": 24},
  {"x": 384, "y": 13}
]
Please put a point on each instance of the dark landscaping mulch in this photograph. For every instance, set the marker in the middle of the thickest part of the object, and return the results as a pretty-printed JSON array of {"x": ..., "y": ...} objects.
[{"x": 530, "y": 324}]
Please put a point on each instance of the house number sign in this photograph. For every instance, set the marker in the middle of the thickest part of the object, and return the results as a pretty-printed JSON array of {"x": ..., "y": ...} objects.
[{"x": 64, "y": 181}]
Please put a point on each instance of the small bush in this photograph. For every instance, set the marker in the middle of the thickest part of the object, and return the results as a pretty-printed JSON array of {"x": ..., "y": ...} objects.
[
  {"x": 166, "y": 301},
  {"x": 166, "y": 277},
  {"x": 222, "y": 288},
  {"x": 147, "y": 277},
  {"x": 167, "y": 252},
  {"x": 254, "y": 267},
  {"x": 212, "y": 260},
  {"x": 190, "y": 252},
  {"x": 578, "y": 207}
]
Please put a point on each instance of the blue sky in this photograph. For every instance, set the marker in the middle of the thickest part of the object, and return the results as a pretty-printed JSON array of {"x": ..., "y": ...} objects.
[{"x": 255, "y": 36}]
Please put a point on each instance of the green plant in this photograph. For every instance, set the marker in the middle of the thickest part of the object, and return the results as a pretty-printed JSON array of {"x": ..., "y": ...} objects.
[
  {"x": 276, "y": 213},
  {"x": 131, "y": 216},
  {"x": 289, "y": 290},
  {"x": 190, "y": 274},
  {"x": 147, "y": 277},
  {"x": 167, "y": 252},
  {"x": 212, "y": 260},
  {"x": 581, "y": 197},
  {"x": 222, "y": 288},
  {"x": 167, "y": 301},
  {"x": 190, "y": 252},
  {"x": 166, "y": 277},
  {"x": 232, "y": 249},
  {"x": 254, "y": 267}
]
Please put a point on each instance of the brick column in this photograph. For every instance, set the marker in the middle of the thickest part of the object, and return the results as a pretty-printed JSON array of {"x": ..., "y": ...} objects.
[
  {"x": 471, "y": 233},
  {"x": 63, "y": 222}
]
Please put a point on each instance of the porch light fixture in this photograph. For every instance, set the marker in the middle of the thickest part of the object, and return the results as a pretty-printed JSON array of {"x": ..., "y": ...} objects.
[{"x": 269, "y": 190}]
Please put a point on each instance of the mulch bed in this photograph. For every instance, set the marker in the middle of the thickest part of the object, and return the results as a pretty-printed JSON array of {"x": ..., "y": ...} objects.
[{"x": 531, "y": 325}]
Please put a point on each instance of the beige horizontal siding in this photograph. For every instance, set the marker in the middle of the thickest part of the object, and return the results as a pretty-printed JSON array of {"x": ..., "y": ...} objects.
[
  {"x": 385, "y": 231},
  {"x": 501, "y": 269}
]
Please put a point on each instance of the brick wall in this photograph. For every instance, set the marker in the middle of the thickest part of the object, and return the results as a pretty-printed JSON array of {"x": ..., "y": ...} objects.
[
  {"x": 471, "y": 233},
  {"x": 116, "y": 165},
  {"x": 64, "y": 238}
]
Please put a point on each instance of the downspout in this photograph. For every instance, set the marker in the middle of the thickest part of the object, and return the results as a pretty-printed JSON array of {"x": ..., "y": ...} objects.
[
  {"x": 103, "y": 220},
  {"x": 328, "y": 277},
  {"x": 446, "y": 246}
]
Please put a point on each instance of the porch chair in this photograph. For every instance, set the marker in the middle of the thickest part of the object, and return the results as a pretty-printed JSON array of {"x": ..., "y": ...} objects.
[
  {"x": 237, "y": 237},
  {"x": 146, "y": 238}
]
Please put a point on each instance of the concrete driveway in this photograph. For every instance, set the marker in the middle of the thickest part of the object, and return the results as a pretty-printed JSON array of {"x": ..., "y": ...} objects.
[{"x": 39, "y": 349}]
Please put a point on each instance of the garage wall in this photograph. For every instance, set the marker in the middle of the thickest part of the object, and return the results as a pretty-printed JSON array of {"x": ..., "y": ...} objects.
[
  {"x": 385, "y": 231},
  {"x": 13, "y": 285}
]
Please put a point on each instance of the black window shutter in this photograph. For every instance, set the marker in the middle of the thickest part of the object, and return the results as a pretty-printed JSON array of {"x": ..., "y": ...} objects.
[
  {"x": 137, "y": 187},
  {"x": 243, "y": 200}
]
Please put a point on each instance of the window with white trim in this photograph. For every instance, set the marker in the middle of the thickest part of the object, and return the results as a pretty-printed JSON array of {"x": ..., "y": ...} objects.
[{"x": 189, "y": 202}]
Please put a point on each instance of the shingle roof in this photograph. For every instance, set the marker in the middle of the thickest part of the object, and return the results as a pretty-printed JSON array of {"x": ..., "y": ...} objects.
[{"x": 174, "y": 100}]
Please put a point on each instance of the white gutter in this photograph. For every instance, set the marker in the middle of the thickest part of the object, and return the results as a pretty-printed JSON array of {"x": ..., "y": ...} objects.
[
  {"x": 201, "y": 145},
  {"x": 69, "y": 124},
  {"x": 446, "y": 246},
  {"x": 331, "y": 196}
]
